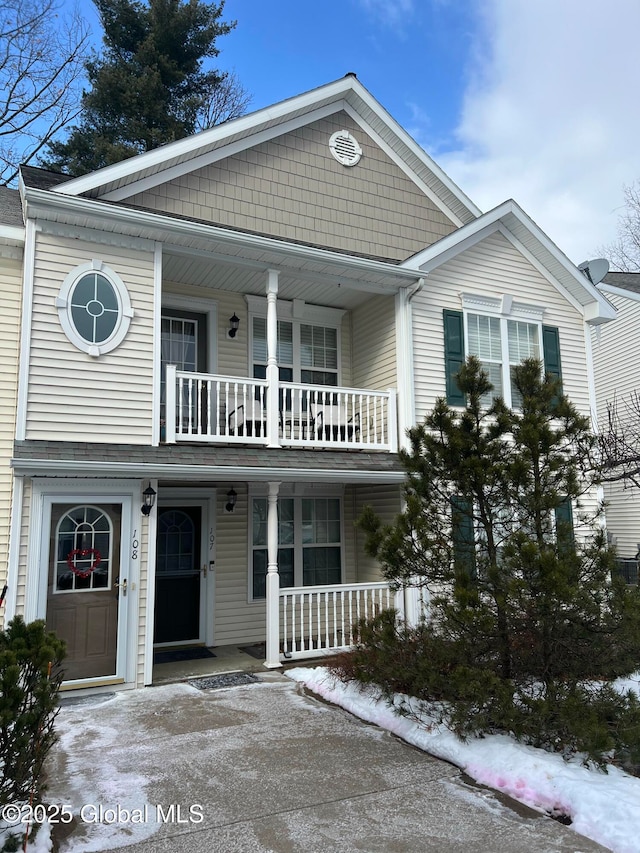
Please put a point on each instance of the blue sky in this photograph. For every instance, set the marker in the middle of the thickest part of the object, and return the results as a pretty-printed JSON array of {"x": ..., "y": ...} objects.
[{"x": 535, "y": 100}]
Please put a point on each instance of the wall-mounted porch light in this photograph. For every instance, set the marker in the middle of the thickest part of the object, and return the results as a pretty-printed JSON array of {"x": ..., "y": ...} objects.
[
  {"x": 234, "y": 325},
  {"x": 232, "y": 497},
  {"x": 148, "y": 500}
]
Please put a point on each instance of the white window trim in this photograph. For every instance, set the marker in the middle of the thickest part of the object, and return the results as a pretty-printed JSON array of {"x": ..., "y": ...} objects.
[
  {"x": 125, "y": 311},
  {"x": 504, "y": 308},
  {"x": 297, "y": 491},
  {"x": 47, "y": 492},
  {"x": 198, "y": 306},
  {"x": 299, "y": 313},
  {"x": 107, "y": 588}
]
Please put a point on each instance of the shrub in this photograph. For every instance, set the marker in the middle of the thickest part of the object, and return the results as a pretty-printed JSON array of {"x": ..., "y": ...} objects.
[
  {"x": 30, "y": 677},
  {"x": 465, "y": 688}
]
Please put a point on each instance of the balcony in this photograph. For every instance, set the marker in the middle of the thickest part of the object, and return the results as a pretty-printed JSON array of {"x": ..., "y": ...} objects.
[{"x": 214, "y": 409}]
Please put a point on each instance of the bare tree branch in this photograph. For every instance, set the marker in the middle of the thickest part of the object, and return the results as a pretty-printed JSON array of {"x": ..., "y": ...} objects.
[
  {"x": 624, "y": 252},
  {"x": 230, "y": 100},
  {"x": 619, "y": 441},
  {"x": 42, "y": 57}
]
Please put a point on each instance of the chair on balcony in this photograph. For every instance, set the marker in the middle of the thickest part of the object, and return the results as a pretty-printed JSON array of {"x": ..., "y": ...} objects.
[
  {"x": 330, "y": 422},
  {"x": 248, "y": 419}
]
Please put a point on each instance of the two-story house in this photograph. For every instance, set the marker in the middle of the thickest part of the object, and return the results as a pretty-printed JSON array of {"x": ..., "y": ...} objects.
[
  {"x": 223, "y": 343},
  {"x": 617, "y": 373}
]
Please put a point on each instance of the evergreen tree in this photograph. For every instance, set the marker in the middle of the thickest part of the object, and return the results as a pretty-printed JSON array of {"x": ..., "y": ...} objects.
[
  {"x": 148, "y": 86},
  {"x": 523, "y": 611}
]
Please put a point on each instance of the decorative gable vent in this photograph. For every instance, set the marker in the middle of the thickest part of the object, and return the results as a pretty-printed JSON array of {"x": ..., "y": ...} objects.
[{"x": 345, "y": 148}]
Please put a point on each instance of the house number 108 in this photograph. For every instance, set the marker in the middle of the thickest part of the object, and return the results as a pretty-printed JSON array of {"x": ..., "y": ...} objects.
[{"x": 134, "y": 546}]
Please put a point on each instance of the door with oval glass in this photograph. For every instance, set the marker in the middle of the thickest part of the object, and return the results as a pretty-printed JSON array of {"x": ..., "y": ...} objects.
[
  {"x": 179, "y": 575},
  {"x": 84, "y": 587}
]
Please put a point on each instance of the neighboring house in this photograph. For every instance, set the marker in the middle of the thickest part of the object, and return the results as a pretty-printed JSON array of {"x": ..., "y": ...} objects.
[
  {"x": 617, "y": 371},
  {"x": 245, "y": 323},
  {"x": 11, "y": 264}
]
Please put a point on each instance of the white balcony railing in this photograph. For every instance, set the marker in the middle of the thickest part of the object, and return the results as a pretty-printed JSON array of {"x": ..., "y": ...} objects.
[
  {"x": 203, "y": 407},
  {"x": 317, "y": 620},
  {"x": 224, "y": 409}
]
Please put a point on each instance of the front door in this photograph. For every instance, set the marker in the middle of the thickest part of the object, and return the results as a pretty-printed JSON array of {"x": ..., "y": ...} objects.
[
  {"x": 84, "y": 586},
  {"x": 178, "y": 575}
]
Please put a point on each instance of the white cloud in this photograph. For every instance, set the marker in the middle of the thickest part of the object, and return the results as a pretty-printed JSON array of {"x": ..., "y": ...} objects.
[
  {"x": 392, "y": 13},
  {"x": 550, "y": 115}
]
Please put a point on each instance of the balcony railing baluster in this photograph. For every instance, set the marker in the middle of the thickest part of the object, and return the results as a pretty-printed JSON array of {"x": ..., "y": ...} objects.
[{"x": 227, "y": 410}]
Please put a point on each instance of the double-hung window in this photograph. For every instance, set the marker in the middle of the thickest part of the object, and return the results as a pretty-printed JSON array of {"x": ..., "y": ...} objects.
[
  {"x": 501, "y": 334},
  {"x": 501, "y": 344},
  {"x": 308, "y": 342},
  {"x": 309, "y": 542}
]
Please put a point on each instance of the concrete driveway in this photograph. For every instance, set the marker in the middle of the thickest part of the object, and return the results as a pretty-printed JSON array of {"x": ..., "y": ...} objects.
[{"x": 264, "y": 767}]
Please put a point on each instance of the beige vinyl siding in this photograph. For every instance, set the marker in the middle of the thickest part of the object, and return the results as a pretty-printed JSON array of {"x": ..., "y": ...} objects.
[
  {"x": 492, "y": 267},
  {"x": 374, "y": 344},
  {"x": 292, "y": 187},
  {"x": 73, "y": 396},
  {"x": 25, "y": 543},
  {"x": 233, "y": 355},
  {"x": 386, "y": 503},
  {"x": 10, "y": 298},
  {"x": 617, "y": 374},
  {"x": 236, "y": 620},
  {"x": 143, "y": 585}
]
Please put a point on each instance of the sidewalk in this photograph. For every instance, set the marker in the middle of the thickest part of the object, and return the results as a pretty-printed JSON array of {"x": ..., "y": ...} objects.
[{"x": 263, "y": 767}]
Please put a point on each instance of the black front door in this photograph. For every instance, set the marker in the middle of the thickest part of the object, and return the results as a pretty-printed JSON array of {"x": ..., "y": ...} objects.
[{"x": 178, "y": 576}]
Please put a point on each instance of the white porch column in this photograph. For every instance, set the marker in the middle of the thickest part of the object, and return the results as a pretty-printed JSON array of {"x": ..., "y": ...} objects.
[
  {"x": 273, "y": 580},
  {"x": 272, "y": 360},
  {"x": 406, "y": 413}
]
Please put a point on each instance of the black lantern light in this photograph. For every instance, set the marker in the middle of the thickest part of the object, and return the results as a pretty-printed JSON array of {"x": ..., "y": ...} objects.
[
  {"x": 234, "y": 325},
  {"x": 149, "y": 499},
  {"x": 232, "y": 497}
]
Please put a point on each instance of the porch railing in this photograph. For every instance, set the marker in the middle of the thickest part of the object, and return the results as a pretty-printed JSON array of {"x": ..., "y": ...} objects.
[
  {"x": 224, "y": 409},
  {"x": 317, "y": 620},
  {"x": 205, "y": 407},
  {"x": 346, "y": 417}
]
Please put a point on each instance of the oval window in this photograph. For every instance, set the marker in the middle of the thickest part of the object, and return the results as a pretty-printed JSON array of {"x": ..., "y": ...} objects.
[{"x": 94, "y": 308}]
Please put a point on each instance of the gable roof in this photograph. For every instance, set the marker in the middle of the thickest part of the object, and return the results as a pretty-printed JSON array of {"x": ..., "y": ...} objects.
[
  {"x": 625, "y": 284},
  {"x": 121, "y": 180},
  {"x": 510, "y": 220}
]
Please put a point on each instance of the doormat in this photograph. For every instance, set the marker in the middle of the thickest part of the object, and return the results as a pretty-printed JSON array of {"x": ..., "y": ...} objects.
[
  {"x": 257, "y": 651},
  {"x": 176, "y": 655},
  {"x": 227, "y": 679}
]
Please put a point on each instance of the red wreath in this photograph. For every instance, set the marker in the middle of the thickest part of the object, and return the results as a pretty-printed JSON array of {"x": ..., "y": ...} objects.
[{"x": 84, "y": 552}]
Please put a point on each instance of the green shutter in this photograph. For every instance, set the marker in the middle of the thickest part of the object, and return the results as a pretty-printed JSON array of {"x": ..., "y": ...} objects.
[
  {"x": 464, "y": 551},
  {"x": 564, "y": 525},
  {"x": 551, "y": 351},
  {"x": 453, "y": 354},
  {"x": 551, "y": 354}
]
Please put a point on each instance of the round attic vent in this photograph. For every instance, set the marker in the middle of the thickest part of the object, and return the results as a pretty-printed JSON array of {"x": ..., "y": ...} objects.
[{"x": 345, "y": 148}]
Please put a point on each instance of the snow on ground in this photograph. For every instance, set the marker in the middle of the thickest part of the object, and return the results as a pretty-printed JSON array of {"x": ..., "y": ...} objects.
[{"x": 603, "y": 806}]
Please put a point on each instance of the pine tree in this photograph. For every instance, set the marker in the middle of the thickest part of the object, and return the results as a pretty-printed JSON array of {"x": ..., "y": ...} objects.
[
  {"x": 524, "y": 610},
  {"x": 148, "y": 87}
]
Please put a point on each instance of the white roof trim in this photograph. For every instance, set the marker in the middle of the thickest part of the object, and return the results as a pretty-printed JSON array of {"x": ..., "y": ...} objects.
[
  {"x": 400, "y": 163},
  {"x": 619, "y": 291},
  {"x": 189, "y": 144},
  {"x": 38, "y": 202},
  {"x": 594, "y": 306},
  {"x": 217, "y": 154},
  {"x": 13, "y": 234},
  {"x": 159, "y": 470},
  {"x": 330, "y": 96}
]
